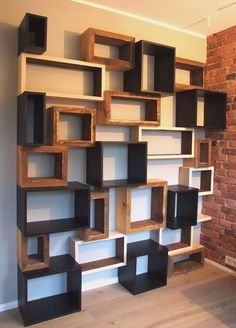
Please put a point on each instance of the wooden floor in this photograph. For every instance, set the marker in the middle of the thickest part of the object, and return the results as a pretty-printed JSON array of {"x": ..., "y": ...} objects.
[{"x": 204, "y": 298}]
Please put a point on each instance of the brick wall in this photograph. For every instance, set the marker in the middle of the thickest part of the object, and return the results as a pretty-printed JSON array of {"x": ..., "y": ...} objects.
[{"x": 219, "y": 234}]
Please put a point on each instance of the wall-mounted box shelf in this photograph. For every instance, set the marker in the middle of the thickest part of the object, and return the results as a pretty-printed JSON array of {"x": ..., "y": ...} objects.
[
  {"x": 47, "y": 308},
  {"x": 29, "y": 79},
  {"x": 158, "y": 208},
  {"x": 125, "y": 99},
  {"x": 86, "y": 126},
  {"x": 201, "y": 178},
  {"x": 116, "y": 256},
  {"x": 182, "y": 205},
  {"x": 163, "y": 70},
  {"x": 101, "y": 217},
  {"x": 32, "y": 34},
  {"x": 124, "y": 57},
  {"x": 60, "y": 166},
  {"x": 81, "y": 210},
  {"x": 31, "y": 119},
  {"x": 203, "y": 218},
  {"x": 201, "y": 108},
  {"x": 185, "y": 241},
  {"x": 202, "y": 154},
  {"x": 166, "y": 142},
  {"x": 157, "y": 267},
  {"x": 136, "y": 166},
  {"x": 196, "y": 72},
  {"x": 37, "y": 261}
]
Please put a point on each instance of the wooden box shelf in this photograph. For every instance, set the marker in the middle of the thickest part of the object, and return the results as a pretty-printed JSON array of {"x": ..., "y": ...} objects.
[
  {"x": 60, "y": 166},
  {"x": 87, "y": 117},
  {"x": 184, "y": 243},
  {"x": 157, "y": 267},
  {"x": 115, "y": 258},
  {"x": 81, "y": 217},
  {"x": 28, "y": 80},
  {"x": 104, "y": 109},
  {"x": 158, "y": 208},
  {"x": 124, "y": 45},
  {"x": 201, "y": 178},
  {"x": 182, "y": 204},
  {"x": 201, "y": 108},
  {"x": 163, "y": 81},
  {"x": 32, "y": 34},
  {"x": 47, "y": 308},
  {"x": 136, "y": 174},
  {"x": 202, "y": 154}
]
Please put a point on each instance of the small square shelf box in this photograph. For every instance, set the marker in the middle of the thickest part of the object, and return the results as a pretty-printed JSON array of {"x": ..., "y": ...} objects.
[
  {"x": 186, "y": 236},
  {"x": 157, "y": 267},
  {"x": 164, "y": 69},
  {"x": 124, "y": 44},
  {"x": 32, "y": 34},
  {"x": 47, "y": 308},
  {"x": 59, "y": 178},
  {"x": 202, "y": 154},
  {"x": 201, "y": 108},
  {"x": 158, "y": 207},
  {"x": 182, "y": 205},
  {"x": 81, "y": 217},
  {"x": 104, "y": 109},
  {"x": 87, "y": 117}
]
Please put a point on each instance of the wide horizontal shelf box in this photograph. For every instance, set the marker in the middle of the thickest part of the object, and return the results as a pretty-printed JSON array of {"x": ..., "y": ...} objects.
[
  {"x": 85, "y": 118},
  {"x": 158, "y": 78},
  {"x": 128, "y": 102},
  {"x": 123, "y": 45},
  {"x": 81, "y": 210},
  {"x": 30, "y": 66},
  {"x": 182, "y": 205},
  {"x": 116, "y": 256},
  {"x": 157, "y": 267},
  {"x": 136, "y": 164},
  {"x": 166, "y": 142},
  {"x": 201, "y": 108},
  {"x": 202, "y": 154},
  {"x": 201, "y": 178},
  {"x": 47, "y": 308},
  {"x": 158, "y": 207},
  {"x": 32, "y": 34},
  {"x": 60, "y": 166}
]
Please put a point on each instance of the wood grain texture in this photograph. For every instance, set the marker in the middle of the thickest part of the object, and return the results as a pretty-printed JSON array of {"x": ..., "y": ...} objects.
[{"x": 202, "y": 154}]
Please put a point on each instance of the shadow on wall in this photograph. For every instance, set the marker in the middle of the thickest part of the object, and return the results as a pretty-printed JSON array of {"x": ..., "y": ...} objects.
[{"x": 8, "y": 101}]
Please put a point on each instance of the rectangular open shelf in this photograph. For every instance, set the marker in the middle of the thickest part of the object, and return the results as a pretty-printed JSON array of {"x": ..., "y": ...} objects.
[
  {"x": 81, "y": 210},
  {"x": 128, "y": 103},
  {"x": 166, "y": 142},
  {"x": 202, "y": 154},
  {"x": 37, "y": 72},
  {"x": 203, "y": 217},
  {"x": 122, "y": 46},
  {"x": 158, "y": 207},
  {"x": 184, "y": 242}
]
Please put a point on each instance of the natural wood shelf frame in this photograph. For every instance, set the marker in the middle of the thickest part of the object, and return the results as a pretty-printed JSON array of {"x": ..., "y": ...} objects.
[
  {"x": 186, "y": 236},
  {"x": 202, "y": 154}
]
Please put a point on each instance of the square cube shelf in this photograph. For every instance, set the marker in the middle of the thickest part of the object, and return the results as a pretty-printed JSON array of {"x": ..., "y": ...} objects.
[
  {"x": 115, "y": 254},
  {"x": 202, "y": 154},
  {"x": 182, "y": 205},
  {"x": 158, "y": 208},
  {"x": 123, "y": 44},
  {"x": 32, "y": 34},
  {"x": 47, "y": 308},
  {"x": 201, "y": 178},
  {"x": 86, "y": 126},
  {"x": 60, "y": 166},
  {"x": 157, "y": 267},
  {"x": 27, "y": 262},
  {"x": 163, "y": 79},
  {"x": 201, "y": 108},
  {"x": 81, "y": 217},
  {"x": 185, "y": 241},
  {"x": 136, "y": 166},
  {"x": 125, "y": 99}
]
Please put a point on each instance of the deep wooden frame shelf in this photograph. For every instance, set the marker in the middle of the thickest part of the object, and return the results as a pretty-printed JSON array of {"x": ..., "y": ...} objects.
[
  {"x": 97, "y": 70},
  {"x": 88, "y": 117},
  {"x": 157, "y": 267},
  {"x": 202, "y": 154},
  {"x": 81, "y": 217},
  {"x": 104, "y": 109},
  {"x": 158, "y": 207},
  {"x": 124, "y": 43}
]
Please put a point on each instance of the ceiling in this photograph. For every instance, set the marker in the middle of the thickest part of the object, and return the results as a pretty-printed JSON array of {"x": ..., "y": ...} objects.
[{"x": 201, "y": 17}]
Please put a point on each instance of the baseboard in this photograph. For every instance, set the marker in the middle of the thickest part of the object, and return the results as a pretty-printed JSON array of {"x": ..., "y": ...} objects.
[
  {"x": 221, "y": 267},
  {"x": 8, "y": 306}
]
